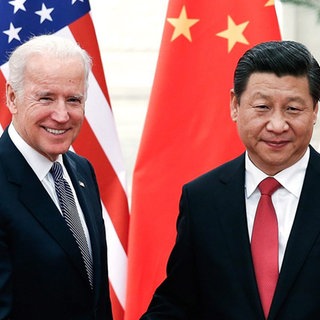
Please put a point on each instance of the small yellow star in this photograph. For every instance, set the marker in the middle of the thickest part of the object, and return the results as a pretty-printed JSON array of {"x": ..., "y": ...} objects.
[
  {"x": 234, "y": 33},
  {"x": 269, "y": 3},
  {"x": 182, "y": 25}
]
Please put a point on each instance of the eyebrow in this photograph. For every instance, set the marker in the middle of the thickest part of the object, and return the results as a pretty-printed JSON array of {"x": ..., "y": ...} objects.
[
  {"x": 289, "y": 99},
  {"x": 297, "y": 99},
  {"x": 43, "y": 93},
  {"x": 77, "y": 96},
  {"x": 49, "y": 93}
]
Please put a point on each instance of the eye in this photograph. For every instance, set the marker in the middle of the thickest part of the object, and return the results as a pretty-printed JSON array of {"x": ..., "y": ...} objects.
[
  {"x": 261, "y": 107},
  {"x": 293, "y": 109},
  {"x": 74, "y": 100},
  {"x": 45, "y": 99}
]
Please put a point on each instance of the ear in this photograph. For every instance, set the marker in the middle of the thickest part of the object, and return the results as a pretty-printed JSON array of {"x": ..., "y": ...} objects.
[
  {"x": 315, "y": 113},
  {"x": 234, "y": 106},
  {"x": 11, "y": 99}
]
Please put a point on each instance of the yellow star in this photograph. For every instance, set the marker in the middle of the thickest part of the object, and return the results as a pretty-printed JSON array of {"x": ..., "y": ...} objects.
[
  {"x": 269, "y": 3},
  {"x": 234, "y": 33},
  {"x": 182, "y": 25}
]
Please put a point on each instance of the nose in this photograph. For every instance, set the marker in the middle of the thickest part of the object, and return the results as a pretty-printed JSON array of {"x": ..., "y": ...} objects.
[
  {"x": 60, "y": 112},
  {"x": 277, "y": 123}
]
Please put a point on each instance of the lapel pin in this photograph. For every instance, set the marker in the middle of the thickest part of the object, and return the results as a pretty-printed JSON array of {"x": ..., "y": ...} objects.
[{"x": 81, "y": 184}]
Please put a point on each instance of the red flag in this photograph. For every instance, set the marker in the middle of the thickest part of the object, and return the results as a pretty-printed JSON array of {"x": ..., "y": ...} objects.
[
  {"x": 188, "y": 129},
  {"x": 98, "y": 140}
]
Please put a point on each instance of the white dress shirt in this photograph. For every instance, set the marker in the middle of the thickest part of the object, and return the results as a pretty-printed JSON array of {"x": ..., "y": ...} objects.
[
  {"x": 41, "y": 167},
  {"x": 285, "y": 200}
]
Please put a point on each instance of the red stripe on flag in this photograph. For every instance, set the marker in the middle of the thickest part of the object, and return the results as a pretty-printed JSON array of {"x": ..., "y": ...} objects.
[
  {"x": 112, "y": 193},
  {"x": 117, "y": 310},
  {"x": 5, "y": 115},
  {"x": 88, "y": 41}
]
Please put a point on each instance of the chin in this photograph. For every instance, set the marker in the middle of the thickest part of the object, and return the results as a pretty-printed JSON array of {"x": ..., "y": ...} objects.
[{"x": 53, "y": 155}]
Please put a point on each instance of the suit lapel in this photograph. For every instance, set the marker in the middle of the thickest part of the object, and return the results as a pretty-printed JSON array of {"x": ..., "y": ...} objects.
[
  {"x": 37, "y": 201},
  {"x": 50, "y": 218},
  {"x": 305, "y": 230},
  {"x": 234, "y": 224}
]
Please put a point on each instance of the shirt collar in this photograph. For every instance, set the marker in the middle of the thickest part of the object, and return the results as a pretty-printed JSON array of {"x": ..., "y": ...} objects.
[
  {"x": 39, "y": 163},
  {"x": 290, "y": 178}
]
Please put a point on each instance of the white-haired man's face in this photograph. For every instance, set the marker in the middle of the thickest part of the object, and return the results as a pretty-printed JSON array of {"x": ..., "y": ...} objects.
[{"x": 49, "y": 113}]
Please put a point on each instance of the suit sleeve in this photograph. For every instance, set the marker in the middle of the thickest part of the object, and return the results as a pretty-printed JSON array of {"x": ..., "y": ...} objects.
[
  {"x": 175, "y": 298},
  {"x": 5, "y": 275}
]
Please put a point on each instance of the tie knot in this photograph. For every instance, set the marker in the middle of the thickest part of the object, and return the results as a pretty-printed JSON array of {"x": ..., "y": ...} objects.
[
  {"x": 268, "y": 186},
  {"x": 56, "y": 171}
]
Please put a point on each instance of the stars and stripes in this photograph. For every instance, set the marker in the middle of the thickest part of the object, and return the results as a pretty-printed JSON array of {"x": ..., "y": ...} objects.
[
  {"x": 21, "y": 19},
  {"x": 98, "y": 140}
]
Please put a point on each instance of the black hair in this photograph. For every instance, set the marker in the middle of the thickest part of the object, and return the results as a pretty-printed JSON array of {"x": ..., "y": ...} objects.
[{"x": 281, "y": 58}]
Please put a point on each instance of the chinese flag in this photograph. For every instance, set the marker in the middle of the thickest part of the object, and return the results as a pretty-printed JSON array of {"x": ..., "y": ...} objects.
[{"x": 188, "y": 129}]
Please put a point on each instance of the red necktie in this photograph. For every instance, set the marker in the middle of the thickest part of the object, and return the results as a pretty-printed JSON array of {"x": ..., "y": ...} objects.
[{"x": 264, "y": 244}]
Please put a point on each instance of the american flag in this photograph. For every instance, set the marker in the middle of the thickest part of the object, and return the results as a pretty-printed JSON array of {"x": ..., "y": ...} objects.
[{"x": 98, "y": 140}]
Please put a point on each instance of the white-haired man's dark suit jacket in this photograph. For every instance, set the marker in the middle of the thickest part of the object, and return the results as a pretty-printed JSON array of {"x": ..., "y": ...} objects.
[{"x": 42, "y": 276}]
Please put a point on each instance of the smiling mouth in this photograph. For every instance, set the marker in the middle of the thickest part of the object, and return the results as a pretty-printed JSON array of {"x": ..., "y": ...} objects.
[
  {"x": 276, "y": 143},
  {"x": 55, "y": 131}
]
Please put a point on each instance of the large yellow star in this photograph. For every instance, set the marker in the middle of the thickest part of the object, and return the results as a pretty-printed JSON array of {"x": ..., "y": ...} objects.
[
  {"x": 269, "y": 3},
  {"x": 234, "y": 33},
  {"x": 182, "y": 25}
]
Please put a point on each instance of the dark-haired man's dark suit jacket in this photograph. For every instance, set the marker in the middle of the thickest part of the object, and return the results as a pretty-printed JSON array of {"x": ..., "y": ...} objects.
[
  {"x": 210, "y": 270},
  {"x": 42, "y": 276}
]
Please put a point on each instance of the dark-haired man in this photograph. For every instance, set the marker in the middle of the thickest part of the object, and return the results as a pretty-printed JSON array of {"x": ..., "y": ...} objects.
[{"x": 218, "y": 268}]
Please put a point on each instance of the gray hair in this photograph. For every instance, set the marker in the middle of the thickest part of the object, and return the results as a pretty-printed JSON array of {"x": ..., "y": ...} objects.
[{"x": 53, "y": 46}]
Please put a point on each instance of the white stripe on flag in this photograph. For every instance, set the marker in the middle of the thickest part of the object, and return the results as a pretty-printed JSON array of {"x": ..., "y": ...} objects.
[{"x": 117, "y": 258}]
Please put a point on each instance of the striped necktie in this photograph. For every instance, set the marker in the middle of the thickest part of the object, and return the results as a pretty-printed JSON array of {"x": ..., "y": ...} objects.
[{"x": 71, "y": 216}]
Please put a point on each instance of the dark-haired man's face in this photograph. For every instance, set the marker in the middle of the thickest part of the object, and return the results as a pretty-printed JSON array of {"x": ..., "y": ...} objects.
[{"x": 275, "y": 119}]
